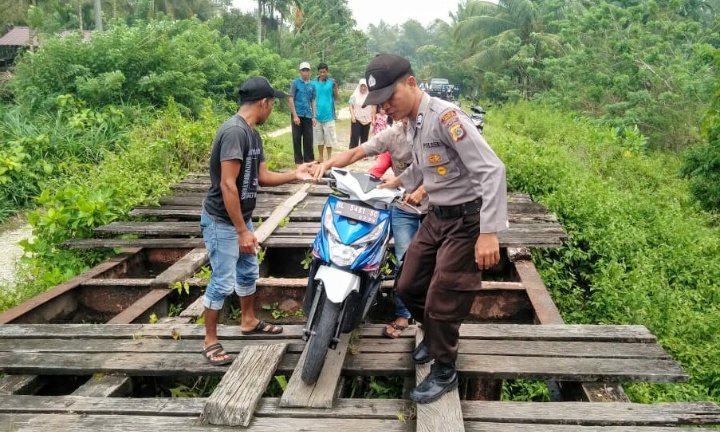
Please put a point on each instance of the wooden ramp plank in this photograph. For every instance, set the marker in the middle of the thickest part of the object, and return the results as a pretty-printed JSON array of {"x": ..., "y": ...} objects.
[
  {"x": 322, "y": 393},
  {"x": 524, "y": 427},
  {"x": 105, "y": 386},
  {"x": 234, "y": 400},
  {"x": 280, "y": 212},
  {"x": 445, "y": 413},
  {"x": 184, "y": 268}
]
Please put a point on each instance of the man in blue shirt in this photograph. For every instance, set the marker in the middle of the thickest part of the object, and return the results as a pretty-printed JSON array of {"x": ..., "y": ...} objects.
[
  {"x": 302, "y": 107},
  {"x": 326, "y": 94}
]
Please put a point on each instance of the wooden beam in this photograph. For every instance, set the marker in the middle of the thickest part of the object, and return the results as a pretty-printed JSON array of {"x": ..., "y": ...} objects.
[
  {"x": 137, "y": 309},
  {"x": 442, "y": 415},
  {"x": 234, "y": 400},
  {"x": 105, "y": 386},
  {"x": 182, "y": 269},
  {"x": 20, "y": 384},
  {"x": 284, "y": 209},
  {"x": 322, "y": 393}
]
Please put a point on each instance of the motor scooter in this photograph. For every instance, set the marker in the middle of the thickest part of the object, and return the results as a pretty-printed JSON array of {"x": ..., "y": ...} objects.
[
  {"x": 349, "y": 253},
  {"x": 478, "y": 117}
]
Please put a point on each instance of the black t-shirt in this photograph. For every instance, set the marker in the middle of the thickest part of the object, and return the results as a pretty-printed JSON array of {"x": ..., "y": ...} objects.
[{"x": 235, "y": 140}]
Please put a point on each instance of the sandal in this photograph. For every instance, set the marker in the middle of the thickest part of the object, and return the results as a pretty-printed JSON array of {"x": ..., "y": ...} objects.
[
  {"x": 263, "y": 328},
  {"x": 217, "y": 352},
  {"x": 395, "y": 327}
]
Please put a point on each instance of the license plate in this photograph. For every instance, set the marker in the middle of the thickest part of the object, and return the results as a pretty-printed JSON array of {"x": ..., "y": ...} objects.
[{"x": 357, "y": 212}]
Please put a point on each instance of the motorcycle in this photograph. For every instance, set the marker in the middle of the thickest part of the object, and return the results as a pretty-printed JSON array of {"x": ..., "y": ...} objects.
[
  {"x": 349, "y": 253},
  {"x": 478, "y": 117}
]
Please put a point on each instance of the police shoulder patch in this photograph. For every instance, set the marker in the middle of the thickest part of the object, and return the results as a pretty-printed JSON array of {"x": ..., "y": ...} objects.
[
  {"x": 449, "y": 115},
  {"x": 457, "y": 132}
]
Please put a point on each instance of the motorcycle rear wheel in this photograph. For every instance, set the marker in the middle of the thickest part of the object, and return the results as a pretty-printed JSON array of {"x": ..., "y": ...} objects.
[{"x": 319, "y": 342}]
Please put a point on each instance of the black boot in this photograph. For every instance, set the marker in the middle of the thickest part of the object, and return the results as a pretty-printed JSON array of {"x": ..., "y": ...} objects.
[
  {"x": 421, "y": 355},
  {"x": 441, "y": 379}
]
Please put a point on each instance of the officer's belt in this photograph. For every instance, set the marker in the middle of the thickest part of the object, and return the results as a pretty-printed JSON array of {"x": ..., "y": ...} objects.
[{"x": 448, "y": 212}]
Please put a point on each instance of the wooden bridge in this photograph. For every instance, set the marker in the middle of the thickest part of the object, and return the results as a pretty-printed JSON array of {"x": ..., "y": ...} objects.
[{"x": 77, "y": 356}]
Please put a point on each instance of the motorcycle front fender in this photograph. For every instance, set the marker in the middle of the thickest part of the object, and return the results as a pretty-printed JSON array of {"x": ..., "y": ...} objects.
[{"x": 338, "y": 283}]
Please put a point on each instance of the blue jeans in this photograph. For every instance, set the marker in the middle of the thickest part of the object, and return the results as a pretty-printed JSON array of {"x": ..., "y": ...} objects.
[
  {"x": 231, "y": 270},
  {"x": 404, "y": 227}
]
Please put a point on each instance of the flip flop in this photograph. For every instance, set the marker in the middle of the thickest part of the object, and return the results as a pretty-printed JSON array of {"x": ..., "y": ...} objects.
[
  {"x": 395, "y": 326},
  {"x": 216, "y": 350},
  {"x": 261, "y": 327}
]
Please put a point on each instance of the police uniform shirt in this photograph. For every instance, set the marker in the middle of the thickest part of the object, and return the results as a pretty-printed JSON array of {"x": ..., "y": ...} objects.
[
  {"x": 393, "y": 140},
  {"x": 455, "y": 163}
]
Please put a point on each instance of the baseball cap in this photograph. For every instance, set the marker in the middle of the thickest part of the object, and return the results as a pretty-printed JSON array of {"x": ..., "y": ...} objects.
[
  {"x": 304, "y": 65},
  {"x": 256, "y": 88},
  {"x": 382, "y": 74}
]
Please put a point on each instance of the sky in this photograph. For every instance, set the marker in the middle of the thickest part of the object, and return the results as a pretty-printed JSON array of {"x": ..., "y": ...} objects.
[{"x": 366, "y": 12}]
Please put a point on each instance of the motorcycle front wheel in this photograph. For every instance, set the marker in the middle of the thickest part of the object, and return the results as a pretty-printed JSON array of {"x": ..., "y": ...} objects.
[{"x": 319, "y": 342}]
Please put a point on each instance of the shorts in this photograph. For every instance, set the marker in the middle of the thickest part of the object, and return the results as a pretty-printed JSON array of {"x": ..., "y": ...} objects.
[
  {"x": 324, "y": 134},
  {"x": 231, "y": 270}
]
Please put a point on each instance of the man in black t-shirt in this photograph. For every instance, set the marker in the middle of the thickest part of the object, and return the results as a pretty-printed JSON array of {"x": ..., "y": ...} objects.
[{"x": 237, "y": 167}]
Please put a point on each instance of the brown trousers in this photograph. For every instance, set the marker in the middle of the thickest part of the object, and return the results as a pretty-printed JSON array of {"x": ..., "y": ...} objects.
[{"x": 439, "y": 280}]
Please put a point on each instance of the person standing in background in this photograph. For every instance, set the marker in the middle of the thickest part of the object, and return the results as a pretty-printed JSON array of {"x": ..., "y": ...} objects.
[
  {"x": 302, "y": 107},
  {"x": 361, "y": 117},
  {"x": 326, "y": 94}
]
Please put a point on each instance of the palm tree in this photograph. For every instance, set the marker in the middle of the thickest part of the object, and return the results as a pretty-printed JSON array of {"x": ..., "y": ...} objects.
[
  {"x": 267, "y": 9},
  {"x": 498, "y": 33}
]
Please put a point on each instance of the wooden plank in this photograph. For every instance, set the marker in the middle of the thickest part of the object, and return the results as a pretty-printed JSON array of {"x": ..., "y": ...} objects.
[
  {"x": 234, "y": 400},
  {"x": 529, "y": 413},
  {"x": 105, "y": 386},
  {"x": 120, "y": 423},
  {"x": 182, "y": 269},
  {"x": 175, "y": 320},
  {"x": 20, "y": 384},
  {"x": 196, "y": 308},
  {"x": 267, "y": 228},
  {"x": 565, "y": 332},
  {"x": 192, "y": 407},
  {"x": 442, "y": 415},
  {"x": 40, "y": 300},
  {"x": 523, "y": 427},
  {"x": 149, "y": 243},
  {"x": 322, "y": 393},
  {"x": 366, "y": 345},
  {"x": 120, "y": 282},
  {"x": 141, "y": 306}
]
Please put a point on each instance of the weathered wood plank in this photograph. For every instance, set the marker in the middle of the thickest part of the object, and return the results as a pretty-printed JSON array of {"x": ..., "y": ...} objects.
[
  {"x": 150, "y": 243},
  {"x": 105, "y": 386},
  {"x": 523, "y": 427},
  {"x": 119, "y": 282},
  {"x": 196, "y": 308},
  {"x": 140, "y": 307},
  {"x": 442, "y": 415},
  {"x": 234, "y": 400},
  {"x": 529, "y": 413},
  {"x": 182, "y": 269},
  {"x": 566, "y": 332},
  {"x": 491, "y": 367},
  {"x": 268, "y": 226},
  {"x": 365, "y": 345},
  {"x": 19, "y": 384},
  {"x": 322, "y": 393},
  {"x": 117, "y": 423}
]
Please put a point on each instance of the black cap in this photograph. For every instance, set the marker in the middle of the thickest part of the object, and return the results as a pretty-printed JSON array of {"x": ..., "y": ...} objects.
[
  {"x": 382, "y": 74},
  {"x": 256, "y": 88}
]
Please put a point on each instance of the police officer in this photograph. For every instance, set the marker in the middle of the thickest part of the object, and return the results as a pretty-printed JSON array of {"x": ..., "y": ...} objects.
[{"x": 465, "y": 182}]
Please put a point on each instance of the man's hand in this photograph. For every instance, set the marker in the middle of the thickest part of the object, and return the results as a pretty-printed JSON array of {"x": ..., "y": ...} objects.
[
  {"x": 318, "y": 170},
  {"x": 248, "y": 242},
  {"x": 392, "y": 183},
  {"x": 303, "y": 170},
  {"x": 487, "y": 251},
  {"x": 296, "y": 120},
  {"x": 416, "y": 196},
  {"x": 314, "y": 122}
]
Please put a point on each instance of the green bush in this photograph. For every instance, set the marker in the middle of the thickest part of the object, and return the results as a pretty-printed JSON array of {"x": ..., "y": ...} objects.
[{"x": 640, "y": 251}]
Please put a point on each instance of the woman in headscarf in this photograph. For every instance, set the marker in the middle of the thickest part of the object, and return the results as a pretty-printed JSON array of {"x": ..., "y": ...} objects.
[{"x": 361, "y": 118}]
